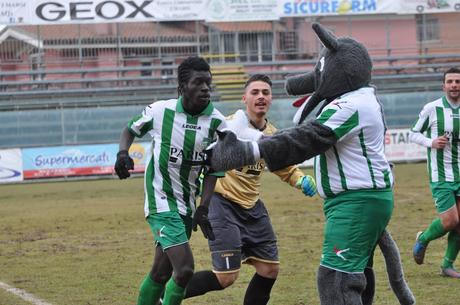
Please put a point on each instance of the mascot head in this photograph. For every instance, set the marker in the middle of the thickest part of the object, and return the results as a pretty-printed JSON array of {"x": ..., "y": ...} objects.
[{"x": 344, "y": 65}]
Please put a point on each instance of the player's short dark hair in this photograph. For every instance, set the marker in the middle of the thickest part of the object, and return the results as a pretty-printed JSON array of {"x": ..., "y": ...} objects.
[
  {"x": 449, "y": 71},
  {"x": 184, "y": 71},
  {"x": 258, "y": 77}
]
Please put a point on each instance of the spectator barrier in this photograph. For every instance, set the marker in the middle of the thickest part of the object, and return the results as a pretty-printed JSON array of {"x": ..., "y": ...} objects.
[{"x": 27, "y": 164}]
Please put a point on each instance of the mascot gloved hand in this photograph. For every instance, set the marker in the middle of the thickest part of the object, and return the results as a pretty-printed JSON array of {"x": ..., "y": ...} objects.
[{"x": 238, "y": 136}]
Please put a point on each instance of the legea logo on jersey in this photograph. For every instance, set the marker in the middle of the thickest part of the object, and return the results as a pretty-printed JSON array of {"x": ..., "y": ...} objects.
[
  {"x": 193, "y": 158},
  {"x": 191, "y": 126}
]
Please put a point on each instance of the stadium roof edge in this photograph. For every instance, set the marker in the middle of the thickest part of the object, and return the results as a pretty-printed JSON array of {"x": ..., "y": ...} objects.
[{"x": 19, "y": 35}]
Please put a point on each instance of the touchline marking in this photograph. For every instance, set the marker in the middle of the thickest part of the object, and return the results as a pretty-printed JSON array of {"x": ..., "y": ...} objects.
[{"x": 23, "y": 295}]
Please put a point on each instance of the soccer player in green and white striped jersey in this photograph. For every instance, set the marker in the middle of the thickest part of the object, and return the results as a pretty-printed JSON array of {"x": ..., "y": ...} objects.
[
  {"x": 438, "y": 129},
  {"x": 181, "y": 130}
]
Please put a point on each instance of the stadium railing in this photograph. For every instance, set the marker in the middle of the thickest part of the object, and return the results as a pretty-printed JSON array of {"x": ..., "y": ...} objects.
[{"x": 124, "y": 85}]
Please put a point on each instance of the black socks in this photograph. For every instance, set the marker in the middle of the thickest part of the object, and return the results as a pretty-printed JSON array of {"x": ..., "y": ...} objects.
[
  {"x": 258, "y": 291},
  {"x": 202, "y": 282}
]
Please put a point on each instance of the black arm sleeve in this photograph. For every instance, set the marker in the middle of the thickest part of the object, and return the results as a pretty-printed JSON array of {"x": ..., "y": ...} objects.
[{"x": 295, "y": 145}]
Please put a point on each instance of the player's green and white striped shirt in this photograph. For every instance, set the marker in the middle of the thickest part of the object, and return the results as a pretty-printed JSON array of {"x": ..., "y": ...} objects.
[
  {"x": 357, "y": 161},
  {"x": 179, "y": 139},
  {"x": 436, "y": 119}
]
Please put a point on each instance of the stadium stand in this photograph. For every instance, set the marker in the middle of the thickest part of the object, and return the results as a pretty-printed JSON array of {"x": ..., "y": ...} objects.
[{"x": 75, "y": 84}]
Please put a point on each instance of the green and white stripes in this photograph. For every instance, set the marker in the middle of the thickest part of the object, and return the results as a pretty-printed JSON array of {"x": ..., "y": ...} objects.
[
  {"x": 436, "y": 119},
  {"x": 357, "y": 161},
  {"x": 177, "y": 153}
]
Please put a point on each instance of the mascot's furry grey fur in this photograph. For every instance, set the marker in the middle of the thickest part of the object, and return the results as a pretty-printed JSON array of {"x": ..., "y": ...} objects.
[{"x": 344, "y": 66}]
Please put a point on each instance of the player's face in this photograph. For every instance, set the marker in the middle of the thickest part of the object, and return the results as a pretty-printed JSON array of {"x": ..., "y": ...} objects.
[
  {"x": 258, "y": 98},
  {"x": 197, "y": 92},
  {"x": 451, "y": 86}
]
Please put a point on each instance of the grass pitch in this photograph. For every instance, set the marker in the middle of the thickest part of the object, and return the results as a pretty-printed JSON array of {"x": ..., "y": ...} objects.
[{"x": 86, "y": 243}]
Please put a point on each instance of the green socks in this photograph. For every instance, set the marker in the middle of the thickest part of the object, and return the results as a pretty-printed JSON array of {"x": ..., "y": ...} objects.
[
  {"x": 453, "y": 246},
  {"x": 434, "y": 231},
  {"x": 150, "y": 292},
  {"x": 174, "y": 294}
]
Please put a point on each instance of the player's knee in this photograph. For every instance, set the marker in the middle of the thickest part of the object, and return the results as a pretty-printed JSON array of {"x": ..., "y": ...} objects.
[
  {"x": 273, "y": 271},
  {"x": 450, "y": 223},
  {"x": 227, "y": 279},
  {"x": 267, "y": 270},
  {"x": 160, "y": 278},
  {"x": 183, "y": 275}
]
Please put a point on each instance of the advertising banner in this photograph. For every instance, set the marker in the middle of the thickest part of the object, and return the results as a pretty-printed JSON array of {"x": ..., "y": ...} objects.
[
  {"x": 398, "y": 147},
  {"x": 83, "y": 160},
  {"x": 10, "y": 165},
  {"x": 100, "y": 11},
  {"x": 66, "y": 161},
  {"x": 307, "y": 8},
  {"x": 14, "y": 11},
  {"x": 429, "y": 6},
  {"x": 241, "y": 10}
]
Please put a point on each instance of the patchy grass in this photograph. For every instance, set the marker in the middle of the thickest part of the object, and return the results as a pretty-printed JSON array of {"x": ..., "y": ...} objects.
[{"x": 86, "y": 243}]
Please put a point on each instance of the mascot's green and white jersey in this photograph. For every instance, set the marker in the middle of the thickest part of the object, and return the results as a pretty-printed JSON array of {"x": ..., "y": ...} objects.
[
  {"x": 357, "y": 161},
  {"x": 179, "y": 141},
  {"x": 436, "y": 119}
]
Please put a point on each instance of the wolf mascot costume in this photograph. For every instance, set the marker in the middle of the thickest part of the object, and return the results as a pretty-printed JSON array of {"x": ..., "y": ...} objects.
[{"x": 353, "y": 175}]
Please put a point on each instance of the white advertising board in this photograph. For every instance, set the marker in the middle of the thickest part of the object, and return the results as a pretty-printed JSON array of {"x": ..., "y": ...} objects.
[{"x": 10, "y": 165}]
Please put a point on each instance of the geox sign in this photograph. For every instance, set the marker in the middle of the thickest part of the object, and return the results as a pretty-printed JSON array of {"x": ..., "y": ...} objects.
[{"x": 85, "y": 11}]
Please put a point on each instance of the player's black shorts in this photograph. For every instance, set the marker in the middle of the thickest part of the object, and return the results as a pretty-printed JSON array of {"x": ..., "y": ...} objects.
[{"x": 241, "y": 234}]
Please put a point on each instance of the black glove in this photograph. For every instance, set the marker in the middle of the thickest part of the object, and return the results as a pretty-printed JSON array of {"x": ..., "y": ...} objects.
[
  {"x": 201, "y": 218},
  {"x": 124, "y": 164}
]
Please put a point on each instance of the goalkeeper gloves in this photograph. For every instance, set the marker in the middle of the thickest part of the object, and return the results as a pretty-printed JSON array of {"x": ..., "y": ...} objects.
[
  {"x": 307, "y": 184},
  {"x": 123, "y": 164}
]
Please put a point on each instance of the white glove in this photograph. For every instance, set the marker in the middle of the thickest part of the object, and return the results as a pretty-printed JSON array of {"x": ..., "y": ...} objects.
[{"x": 239, "y": 125}]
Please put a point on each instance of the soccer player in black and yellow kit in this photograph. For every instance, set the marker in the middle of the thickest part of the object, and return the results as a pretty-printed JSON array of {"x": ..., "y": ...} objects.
[{"x": 240, "y": 221}]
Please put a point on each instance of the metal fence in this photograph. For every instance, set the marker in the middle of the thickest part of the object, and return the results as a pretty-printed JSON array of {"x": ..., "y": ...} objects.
[
  {"x": 103, "y": 124},
  {"x": 164, "y": 42}
]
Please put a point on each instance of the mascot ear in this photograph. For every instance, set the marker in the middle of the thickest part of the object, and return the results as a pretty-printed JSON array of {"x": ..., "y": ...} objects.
[{"x": 326, "y": 37}]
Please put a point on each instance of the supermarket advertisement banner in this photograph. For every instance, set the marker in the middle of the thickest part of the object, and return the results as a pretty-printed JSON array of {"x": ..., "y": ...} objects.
[
  {"x": 66, "y": 161},
  {"x": 10, "y": 165},
  {"x": 87, "y": 160}
]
